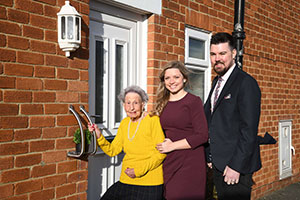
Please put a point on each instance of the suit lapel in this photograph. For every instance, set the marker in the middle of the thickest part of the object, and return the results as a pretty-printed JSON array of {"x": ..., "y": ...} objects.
[
  {"x": 227, "y": 86},
  {"x": 213, "y": 87}
]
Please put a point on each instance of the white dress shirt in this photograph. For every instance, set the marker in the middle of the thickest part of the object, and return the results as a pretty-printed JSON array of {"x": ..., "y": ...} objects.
[{"x": 224, "y": 80}]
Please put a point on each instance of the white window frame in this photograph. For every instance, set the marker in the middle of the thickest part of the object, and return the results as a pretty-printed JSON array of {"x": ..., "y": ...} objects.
[
  {"x": 115, "y": 42},
  {"x": 106, "y": 79},
  {"x": 199, "y": 64}
]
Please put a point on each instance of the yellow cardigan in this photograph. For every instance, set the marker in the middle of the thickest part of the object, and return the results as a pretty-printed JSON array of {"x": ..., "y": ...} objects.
[{"x": 140, "y": 153}]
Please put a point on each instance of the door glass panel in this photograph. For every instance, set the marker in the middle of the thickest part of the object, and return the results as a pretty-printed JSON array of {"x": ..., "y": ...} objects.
[
  {"x": 119, "y": 81},
  {"x": 196, "y": 48},
  {"x": 99, "y": 81},
  {"x": 196, "y": 78}
]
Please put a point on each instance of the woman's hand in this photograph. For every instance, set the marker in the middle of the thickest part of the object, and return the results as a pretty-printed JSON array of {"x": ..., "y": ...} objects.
[
  {"x": 94, "y": 127},
  {"x": 130, "y": 172},
  {"x": 166, "y": 146}
]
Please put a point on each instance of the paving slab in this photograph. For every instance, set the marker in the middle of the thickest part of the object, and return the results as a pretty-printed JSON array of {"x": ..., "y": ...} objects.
[{"x": 291, "y": 192}]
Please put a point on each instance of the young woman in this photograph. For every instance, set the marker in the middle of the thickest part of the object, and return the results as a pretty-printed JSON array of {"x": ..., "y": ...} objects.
[
  {"x": 137, "y": 137},
  {"x": 183, "y": 121}
]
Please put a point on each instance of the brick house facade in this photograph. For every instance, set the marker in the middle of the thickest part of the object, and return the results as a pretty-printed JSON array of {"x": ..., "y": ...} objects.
[{"x": 38, "y": 83}]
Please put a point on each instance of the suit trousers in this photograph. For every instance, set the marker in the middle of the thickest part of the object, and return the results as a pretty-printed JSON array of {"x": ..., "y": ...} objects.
[{"x": 239, "y": 191}]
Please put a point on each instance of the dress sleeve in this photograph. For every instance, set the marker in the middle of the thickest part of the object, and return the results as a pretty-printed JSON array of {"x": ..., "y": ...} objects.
[
  {"x": 113, "y": 148},
  {"x": 199, "y": 124},
  {"x": 155, "y": 158}
]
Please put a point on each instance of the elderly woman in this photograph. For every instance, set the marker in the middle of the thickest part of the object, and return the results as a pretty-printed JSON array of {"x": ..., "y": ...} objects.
[{"x": 137, "y": 137}]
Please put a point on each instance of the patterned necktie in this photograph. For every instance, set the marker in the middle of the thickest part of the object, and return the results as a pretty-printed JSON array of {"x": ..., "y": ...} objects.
[{"x": 217, "y": 90}]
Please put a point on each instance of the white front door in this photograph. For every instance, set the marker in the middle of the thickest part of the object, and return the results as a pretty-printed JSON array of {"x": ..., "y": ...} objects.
[
  {"x": 114, "y": 63},
  {"x": 109, "y": 66}
]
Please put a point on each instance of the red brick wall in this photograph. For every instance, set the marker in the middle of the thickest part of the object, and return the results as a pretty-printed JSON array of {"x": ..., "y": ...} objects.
[
  {"x": 272, "y": 53},
  {"x": 37, "y": 84},
  {"x": 272, "y": 56}
]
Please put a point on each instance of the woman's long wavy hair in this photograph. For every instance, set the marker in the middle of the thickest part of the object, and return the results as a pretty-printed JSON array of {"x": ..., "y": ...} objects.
[{"x": 163, "y": 93}]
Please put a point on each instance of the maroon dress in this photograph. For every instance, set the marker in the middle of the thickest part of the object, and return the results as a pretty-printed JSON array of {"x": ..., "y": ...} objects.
[{"x": 185, "y": 170}]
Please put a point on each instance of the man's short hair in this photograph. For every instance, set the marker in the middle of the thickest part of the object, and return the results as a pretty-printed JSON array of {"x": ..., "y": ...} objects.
[{"x": 223, "y": 37}]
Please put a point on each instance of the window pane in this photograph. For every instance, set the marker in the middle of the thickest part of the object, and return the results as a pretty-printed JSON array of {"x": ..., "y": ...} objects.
[
  {"x": 119, "y": 81},
  {"x": 99, "y": 81},
  {"x": 196, "y": 78},
  {"x": 196, "y": 48}
]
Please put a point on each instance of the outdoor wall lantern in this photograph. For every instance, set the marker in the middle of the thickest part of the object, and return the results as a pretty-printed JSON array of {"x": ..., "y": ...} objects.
[{"x": 69, "y": 28}]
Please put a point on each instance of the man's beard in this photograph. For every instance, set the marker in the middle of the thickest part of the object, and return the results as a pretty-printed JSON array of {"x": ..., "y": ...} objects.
[{"x": 222, "y": 72}]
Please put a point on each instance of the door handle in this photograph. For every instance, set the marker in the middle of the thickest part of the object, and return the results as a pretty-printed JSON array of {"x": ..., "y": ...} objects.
[
  {"x": 293, "y": 150},
  {"x": 94, "y": 133}
]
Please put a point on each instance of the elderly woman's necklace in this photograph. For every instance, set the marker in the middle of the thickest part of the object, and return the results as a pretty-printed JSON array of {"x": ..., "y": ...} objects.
[{"x": 128, "y": 129}]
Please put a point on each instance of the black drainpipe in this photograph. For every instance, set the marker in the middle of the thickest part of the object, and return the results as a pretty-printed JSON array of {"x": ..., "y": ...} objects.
[{"x": 238, "y": 30}]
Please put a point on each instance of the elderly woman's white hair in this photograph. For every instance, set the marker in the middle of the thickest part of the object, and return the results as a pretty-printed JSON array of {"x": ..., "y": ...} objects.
[{"x": 135, "y": 89}]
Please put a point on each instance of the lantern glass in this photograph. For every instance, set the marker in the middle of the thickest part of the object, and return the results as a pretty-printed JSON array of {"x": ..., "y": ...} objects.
[
  {"x": 70, "y": 28},
  {"x": 63, "y": 27},
  {"x": 77, "y": 28}
]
